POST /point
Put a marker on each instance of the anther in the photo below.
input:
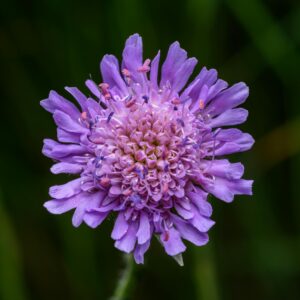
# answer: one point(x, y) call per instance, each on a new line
point(105, 181)
point(166, 167)
point(201, 103)
point(126, 73)
point(104, 90)
point(127, 192)
point(166, 236)
point(175, 101)
point(146, 98)
point(84, 115)
point(180, 121)
point(145, 67)
point(139, 173)
point(145, 171)
point(109, 117)
point(98, 161)
point(130, 101)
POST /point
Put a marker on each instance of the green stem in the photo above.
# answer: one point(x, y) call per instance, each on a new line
point(126, 277)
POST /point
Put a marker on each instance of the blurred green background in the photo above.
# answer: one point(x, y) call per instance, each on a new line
point(254, 251)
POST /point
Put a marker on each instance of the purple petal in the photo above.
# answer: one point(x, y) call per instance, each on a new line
point(134, 49)
point(48, 146)
point(154, 70)
point(108, 204)
point(127, 242)
point(78, 95)
point(190, 233)
point(175, 58)
point(143, 233)
point(66, 190)
point(226, 189)
point(133, 56)
point(67, 137)
point(57, 102)
point(183, 74)
point(139, 252)
point(64, 167)
point(59, 206)
point(111, 74)
point(235, 141)
point(57, 151)
point(93, 108)
point(60, 151)
point(216, 88)
point(230, 117)
point(205, 77)
point(115, 191)
point(185, 213)
point(173, 244)
point(230, 98)
point(94, 218)
point(120, 227)
point(199, 198)
point(87, 202)
point(203, 224)
point(65, 122)
point(92, 86)
point(223, 168)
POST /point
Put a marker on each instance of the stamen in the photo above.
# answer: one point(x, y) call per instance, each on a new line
point(127, 192)
point(146, 98)
point(139, 173)
point(145, 171)
point(145, 67)
point(105, 181)
point(175, 101)
point(201, 103)
point(126, 73)
point(184, 141)
point(109, 117)
point(104, 87)
point(91, 124)
point(129, 169)
point(166, 236)
point(180, 121)
point(130, 101)
point(98, 161)
point(166, 167)
point(127, 76)
point(84, 115)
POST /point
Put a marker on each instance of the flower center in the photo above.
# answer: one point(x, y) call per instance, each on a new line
point(144, 155)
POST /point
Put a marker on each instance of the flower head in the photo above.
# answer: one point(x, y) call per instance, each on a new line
point(148, 150)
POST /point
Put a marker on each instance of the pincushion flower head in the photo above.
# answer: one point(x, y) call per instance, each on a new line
point(147, 150)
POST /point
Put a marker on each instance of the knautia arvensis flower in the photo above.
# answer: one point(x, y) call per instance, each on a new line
point(148, 151)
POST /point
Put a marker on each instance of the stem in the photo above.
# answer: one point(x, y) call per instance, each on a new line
point(125, 279)
point(205, 274)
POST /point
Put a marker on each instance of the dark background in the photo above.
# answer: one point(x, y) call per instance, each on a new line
point(254, 251)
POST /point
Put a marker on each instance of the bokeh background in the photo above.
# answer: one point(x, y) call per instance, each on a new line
point(254, 251)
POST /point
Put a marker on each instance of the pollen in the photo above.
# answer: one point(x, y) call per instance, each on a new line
point(201, 104)
point(145, 67)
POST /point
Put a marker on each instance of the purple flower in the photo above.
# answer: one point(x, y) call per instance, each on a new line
point(148, 150)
